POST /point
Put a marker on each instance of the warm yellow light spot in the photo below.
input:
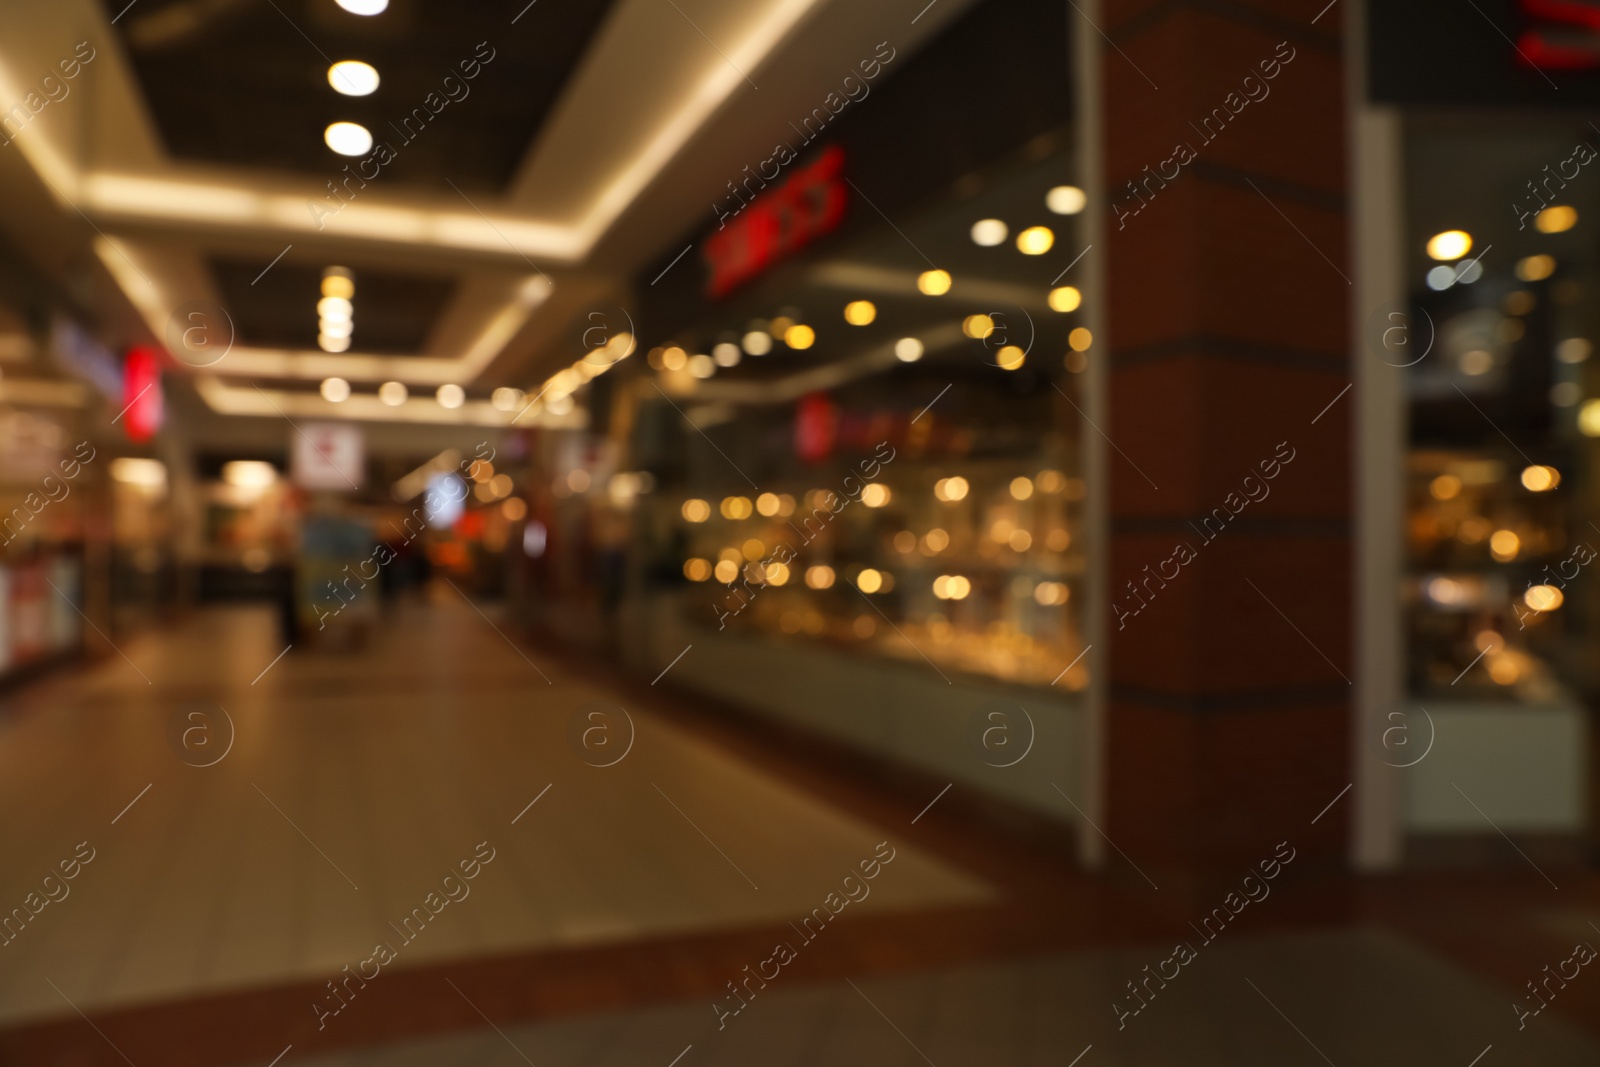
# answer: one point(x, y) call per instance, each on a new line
point(1503, 545)
point(875, 495)
point(934, 282)
point(1065, 200)
point(860, 312)
point(1035, 241)
point(1445, 487)
point(1557, 218)
point(754, 549)
point(801, 336)
point(935, 541)
point(1536, 268)
point(905, 541)
point(339, 286)
point(697, 570)
point(1589, 418)
point(1020, 540)
point(869, 581)
point(1010, 357)
point(1048, 593)
point(1058, 539)
point(951, 587)
point(1050, 481)
point(785, 504)
point(819, 576)
point(1080, 339)
point(696, 510)
point(736, 507)
point(727, 571)
point(1066, 298)
point(767, 504)
point(1022, 488)
point(1504, 670)
point(977, 326)
point(674, 358)
point(1451, 244)
point(1543, 598)
point(780, 325)
point(777, 574)
point(1538, 479)
point(950, 489)
point(515, 509)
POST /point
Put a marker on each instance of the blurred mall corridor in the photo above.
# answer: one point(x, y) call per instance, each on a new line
point(799, 532)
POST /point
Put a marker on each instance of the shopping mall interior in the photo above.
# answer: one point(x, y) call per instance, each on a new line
point(516, 516)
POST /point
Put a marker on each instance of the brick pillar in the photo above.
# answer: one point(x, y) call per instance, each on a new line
point(1227, 296)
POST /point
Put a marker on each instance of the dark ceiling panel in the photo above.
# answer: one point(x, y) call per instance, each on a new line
point(244, 82)
point(393, 312)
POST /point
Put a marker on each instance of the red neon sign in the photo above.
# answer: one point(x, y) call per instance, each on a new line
point(777, 223)
point(1573, 43)
point(141, 393)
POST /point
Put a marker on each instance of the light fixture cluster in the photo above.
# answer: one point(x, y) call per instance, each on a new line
point(352, 77)
point(758, 340)
point(335, 311)
point(555, 395)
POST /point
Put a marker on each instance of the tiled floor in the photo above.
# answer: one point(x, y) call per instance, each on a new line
point(622, 899)
point(356, 783)
point(1354, 999)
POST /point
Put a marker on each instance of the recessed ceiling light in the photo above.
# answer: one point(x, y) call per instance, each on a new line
point(860, 312)
point(1066, 298)
point(340, 285)
point(353, 77)
point(1065, 200)
point(348, 138)
point(726, 355)
point(1451, 244)
point(908, 349)
point(1035, 240)
point(506, 398)
point(364, 7)
point(332, 344)
point(334, 308)
point(989, 232)
point(336, 327)
point(756, 342)
point(335, 390)
point(392, 393)
point(934, 282)
point(450, 396)
point(1557, 218)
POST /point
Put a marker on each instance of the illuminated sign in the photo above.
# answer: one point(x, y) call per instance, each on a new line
point(141, 393)
point(777, 223)
point(1567, 38)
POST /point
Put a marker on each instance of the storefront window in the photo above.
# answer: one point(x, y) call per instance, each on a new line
point(879, 444)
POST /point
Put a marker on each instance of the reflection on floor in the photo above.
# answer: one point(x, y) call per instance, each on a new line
point(355, 785)
point(1358, 997)
point(210, 906)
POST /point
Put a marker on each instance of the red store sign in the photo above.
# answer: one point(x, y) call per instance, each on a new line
point(777, 223)
point(1565, 35)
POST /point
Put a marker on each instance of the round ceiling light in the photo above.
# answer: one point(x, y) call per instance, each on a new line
point(986, 233)
point(1065, 200)
point(353, 77)
point(392, 393)
point(335, 390)
point(348, 138)
point(364, 7)
point(450, 396)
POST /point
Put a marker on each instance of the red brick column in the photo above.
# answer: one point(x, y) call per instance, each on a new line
point(1227, 296)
